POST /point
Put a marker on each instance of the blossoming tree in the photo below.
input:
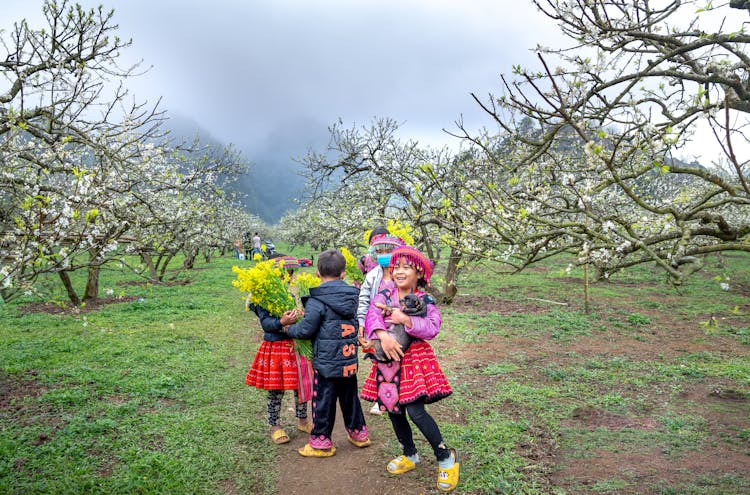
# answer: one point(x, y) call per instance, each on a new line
point(369, 173)
point(83, 173)
point(591, 150)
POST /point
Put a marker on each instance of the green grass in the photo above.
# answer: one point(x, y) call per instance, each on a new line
point(148, 395)
point(138, 397)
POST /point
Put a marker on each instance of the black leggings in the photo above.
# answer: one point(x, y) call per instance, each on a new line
point(426, 425)
point(273, 407)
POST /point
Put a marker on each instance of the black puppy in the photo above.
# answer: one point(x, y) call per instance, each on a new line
point(411, 305)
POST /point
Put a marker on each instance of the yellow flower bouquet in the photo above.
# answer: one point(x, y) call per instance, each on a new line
point(352, 270)
point(270, 286)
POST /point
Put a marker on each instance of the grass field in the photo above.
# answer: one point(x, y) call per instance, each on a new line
point(649, 393)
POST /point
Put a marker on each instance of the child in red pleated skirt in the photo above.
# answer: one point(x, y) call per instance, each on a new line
point(275, 369)
point(413, 377)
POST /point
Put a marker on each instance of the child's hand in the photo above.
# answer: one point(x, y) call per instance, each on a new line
point(366, 344)
point(398, 317)
point(391, 347)
point(289, 317)
point(384, 308)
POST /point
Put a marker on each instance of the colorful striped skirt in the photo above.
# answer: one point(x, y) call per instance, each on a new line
point(419, 377)
point(274, 366)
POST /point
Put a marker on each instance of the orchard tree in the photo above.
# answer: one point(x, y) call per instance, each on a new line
point(58, 126)
point(337, 217)
point(369, 172)
point(82, 172)
point(183, 207)
point(591, 150)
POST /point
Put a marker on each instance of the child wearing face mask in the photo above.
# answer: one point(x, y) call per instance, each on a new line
point(376, 280)
point(369, 261)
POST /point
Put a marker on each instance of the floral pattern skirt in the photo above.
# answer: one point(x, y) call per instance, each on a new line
point(418, 377)
point(274, 366)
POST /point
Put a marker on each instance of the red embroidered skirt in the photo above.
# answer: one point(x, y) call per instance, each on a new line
point(421, 377)
point(274, 366)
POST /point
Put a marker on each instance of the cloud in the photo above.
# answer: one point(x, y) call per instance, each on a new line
point(268, 75)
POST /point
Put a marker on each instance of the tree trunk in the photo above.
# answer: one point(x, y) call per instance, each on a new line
point(586, 288)
point(92, 283)
point(163, 270)
point(69, 288)
point(190, 258)
point(146, 258)
point(451, 273)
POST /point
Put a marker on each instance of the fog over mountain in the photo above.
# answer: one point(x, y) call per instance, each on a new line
point(273, 180)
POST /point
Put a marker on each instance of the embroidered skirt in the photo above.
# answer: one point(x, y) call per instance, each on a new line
point(419, 377)
point(274, 366)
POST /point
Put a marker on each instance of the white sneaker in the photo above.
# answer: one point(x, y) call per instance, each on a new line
point(376, 409)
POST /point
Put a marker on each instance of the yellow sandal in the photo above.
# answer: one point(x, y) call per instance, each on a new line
point(307, 427)
point(448, 477)
point(400, 465)
point(360, 443)
point(279, 436)
point(309, 451)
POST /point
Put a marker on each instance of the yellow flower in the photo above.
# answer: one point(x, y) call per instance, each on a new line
point(303, 282)
point(267, 285)
point(352, 270)
point(398, 229)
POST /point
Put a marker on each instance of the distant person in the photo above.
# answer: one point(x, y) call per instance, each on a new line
point(414, 378)
point(275, 369)
point(237, 245)
point(256, 245)
point(247, 241)
point(376, 280)
point(330, 319)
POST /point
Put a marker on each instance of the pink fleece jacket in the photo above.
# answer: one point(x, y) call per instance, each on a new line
point(423, 327)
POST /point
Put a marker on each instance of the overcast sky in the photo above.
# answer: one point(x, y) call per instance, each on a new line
point(270, 76)
point(256, 73)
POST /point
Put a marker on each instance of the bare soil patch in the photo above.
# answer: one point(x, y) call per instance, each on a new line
point(644, 472)
point(18, 405)
point(481, 305)
point(592, 418)
point(89, 307)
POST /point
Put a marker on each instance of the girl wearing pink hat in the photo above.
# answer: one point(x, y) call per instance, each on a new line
point(413, 378)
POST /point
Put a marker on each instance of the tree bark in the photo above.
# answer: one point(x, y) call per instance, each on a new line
point(451, 272)
point(190, 258)
point(92, 282)
point(146, 258)
point(65, 278)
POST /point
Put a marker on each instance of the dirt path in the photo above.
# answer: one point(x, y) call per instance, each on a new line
point(352, 470)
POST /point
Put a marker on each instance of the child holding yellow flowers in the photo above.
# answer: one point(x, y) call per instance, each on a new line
point(276, 366)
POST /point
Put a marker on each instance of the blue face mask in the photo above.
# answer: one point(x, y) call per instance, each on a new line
point(384, 260)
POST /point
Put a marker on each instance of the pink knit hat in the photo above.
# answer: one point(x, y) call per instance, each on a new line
point(390, 240)
point(414, 257)
point(287, 262)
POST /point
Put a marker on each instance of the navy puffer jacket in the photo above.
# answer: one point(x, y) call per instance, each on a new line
point(270, 324)
point(330, 321)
